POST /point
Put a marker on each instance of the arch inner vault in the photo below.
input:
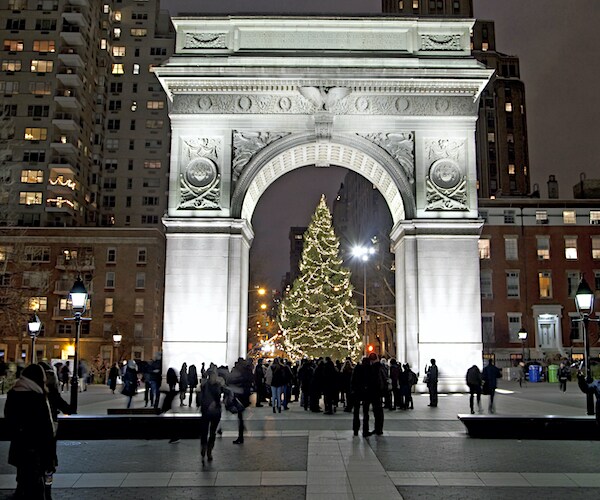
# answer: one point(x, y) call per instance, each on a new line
point(395, 100)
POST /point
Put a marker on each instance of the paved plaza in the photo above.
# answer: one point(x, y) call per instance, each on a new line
point(423, 454)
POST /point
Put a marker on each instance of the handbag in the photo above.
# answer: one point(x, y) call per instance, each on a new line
point(233, 404)
point(426, 379)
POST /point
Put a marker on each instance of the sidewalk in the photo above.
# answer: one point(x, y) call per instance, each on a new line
point(424, 453)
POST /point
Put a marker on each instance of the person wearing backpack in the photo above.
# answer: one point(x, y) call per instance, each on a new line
point(474, 382)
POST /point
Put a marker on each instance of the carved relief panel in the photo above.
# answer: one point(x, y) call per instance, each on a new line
point(200, 174)
point(446, 180)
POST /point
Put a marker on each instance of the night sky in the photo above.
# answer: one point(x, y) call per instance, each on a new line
point(557, 43)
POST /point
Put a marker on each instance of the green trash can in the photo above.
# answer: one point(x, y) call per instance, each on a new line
point(553, 373)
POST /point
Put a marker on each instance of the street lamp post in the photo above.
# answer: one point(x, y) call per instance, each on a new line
point(522, 333)
point(33, 326)
point(363, 254)
point(584, 300)
point(78, 296)
point(117, 337)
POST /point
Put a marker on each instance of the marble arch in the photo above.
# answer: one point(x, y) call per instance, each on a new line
point(394, 99)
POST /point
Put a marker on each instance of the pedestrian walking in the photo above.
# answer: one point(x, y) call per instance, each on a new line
point(521, 374)
point(130, 381)
point(278, 379)
point(32, 447)
point(64, 377)
point(239, 384)
point(474, 381)
point(192, 382)
point(155, 379)
point(413, 380)
point(183, 384)
point(564, 375)
point(259, 383)
point(491, 374)
point(210, 407)
point(431, 380)
point(113, 375)
point(359, 394)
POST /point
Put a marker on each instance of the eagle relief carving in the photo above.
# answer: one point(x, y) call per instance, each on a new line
point(324, 98)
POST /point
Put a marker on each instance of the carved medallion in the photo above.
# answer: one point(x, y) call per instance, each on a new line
point(445, 173)
point(201, 172)
point(362, 104)
point(204, 103)
point(244, 103)
point(285, 103)
point(402, 104)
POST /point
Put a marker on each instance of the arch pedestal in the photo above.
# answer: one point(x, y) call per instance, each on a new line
point(407, 124)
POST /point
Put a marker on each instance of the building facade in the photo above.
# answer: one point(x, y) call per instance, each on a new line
point(85, 143)
point(533, 254)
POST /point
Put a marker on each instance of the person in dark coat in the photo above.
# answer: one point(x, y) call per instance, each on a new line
point(239, 382)
point(130, 381)
point(211, 390)
point(113, 375)
point(396, 376)
point(590, 388)
point(259, 383)
point(359, 394)
point(32, 448)
point(183, 384)
point(491, 374)
point(407, 390)
point(432, 383)
point(564, 375)
point(376, 389)
point(57, 403)
point(305, 375)
point(346, 384)
point(155, 379)
point(474, 381)
point(278, 381)
point(172, 379)
point(192, 382)
point(330, 385)
point(316, 385)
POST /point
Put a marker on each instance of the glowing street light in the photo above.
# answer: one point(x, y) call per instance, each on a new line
point(522, 333)
point(33, 327)
point(363, 253)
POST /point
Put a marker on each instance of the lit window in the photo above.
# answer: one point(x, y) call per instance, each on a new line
point(133, 106)
point(138, 32)
point(155, 105)
point(103, 44)
point(595, 217)
point(36, 134)
point(152, 164)
point(512, 284)
point(108, 305)
point(32, 176)
point(118, 69)
point(30, 198)
point(569, 217)
point(117, 15)
point(37, 304)
point(118, 51)
point(541, 217)
point(415, 4)
point(136, 69)
point(508, 107)
point(154, 124)
point(44, 46)
point(485, 46)
point(400, 4)
point(596, 248)
point(545, 284)
point(11, 65)
point(39, 66)
point(491, 137)
point(571, 247)
point(510, 138)
point(13, 45)
point(40, 88)
point(573, 278)
point(106, 8)
point(116, 33)
point(543, 247)
point(139, 305)
point(511, 169)
point(484, 248)
point(511, 249)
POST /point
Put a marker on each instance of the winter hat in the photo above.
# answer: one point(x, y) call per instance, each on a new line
point(36, 374)
point(373, 357)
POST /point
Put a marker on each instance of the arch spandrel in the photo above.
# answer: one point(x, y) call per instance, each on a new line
point(348, 151)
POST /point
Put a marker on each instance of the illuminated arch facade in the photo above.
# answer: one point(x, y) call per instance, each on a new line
point(395, 100)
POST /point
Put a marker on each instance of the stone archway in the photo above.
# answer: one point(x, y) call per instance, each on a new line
point(248, 108)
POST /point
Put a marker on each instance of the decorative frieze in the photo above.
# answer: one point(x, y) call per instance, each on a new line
point(352, 104)
point(246, 145)
point(205, 41)
point(199, 176)
point(400, 146)
point(441, 42)
point(446, 181)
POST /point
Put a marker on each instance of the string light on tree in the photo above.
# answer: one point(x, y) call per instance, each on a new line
point(318, 316)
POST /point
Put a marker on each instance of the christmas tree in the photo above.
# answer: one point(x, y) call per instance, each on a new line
point(318, 316)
